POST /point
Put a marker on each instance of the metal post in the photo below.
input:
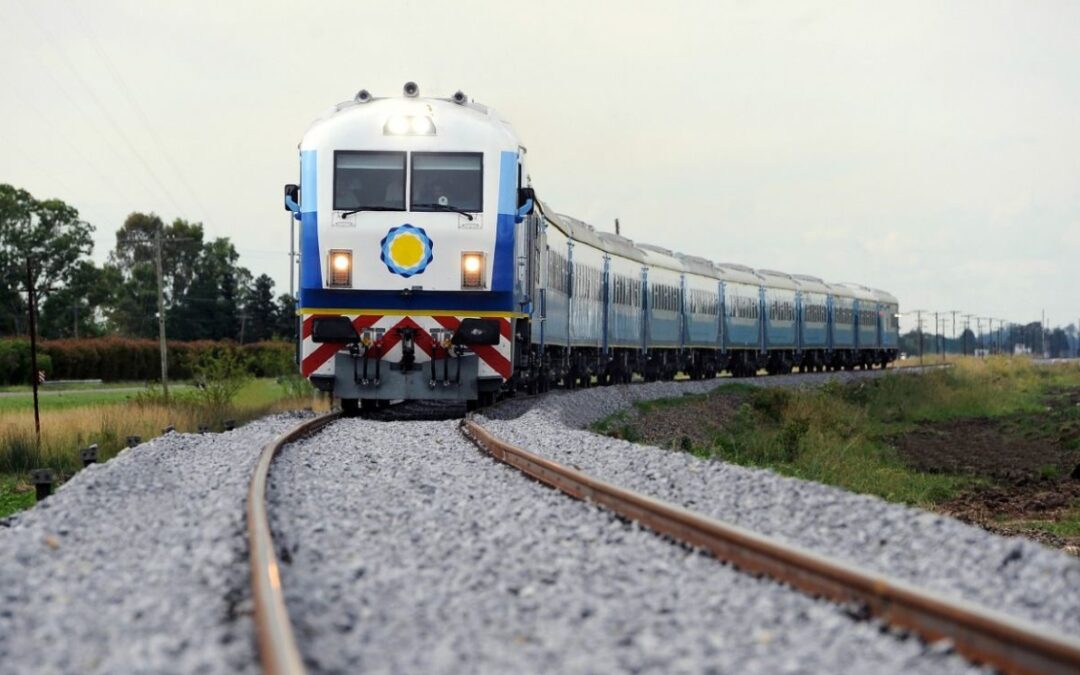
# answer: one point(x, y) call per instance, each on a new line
point(292, 255)
point(33, 347)
point(161, 318)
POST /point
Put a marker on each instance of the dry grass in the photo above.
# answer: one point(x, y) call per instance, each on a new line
point(64, 432)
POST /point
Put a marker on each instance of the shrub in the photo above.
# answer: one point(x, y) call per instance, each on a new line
point(15, 365)
point(220, 376)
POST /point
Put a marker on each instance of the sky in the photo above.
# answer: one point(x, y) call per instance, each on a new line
point(931, 149)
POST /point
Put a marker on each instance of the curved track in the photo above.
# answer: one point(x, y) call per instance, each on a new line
point(277, 645)
point(984, 636)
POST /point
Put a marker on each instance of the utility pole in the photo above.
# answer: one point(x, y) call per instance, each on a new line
point(954, 313)
point(616, 226)
point(161, 317)
point(918, 317)
point(33, 347)
point(967, 329)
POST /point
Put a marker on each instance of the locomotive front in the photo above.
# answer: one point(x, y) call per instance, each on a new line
point(411, 211)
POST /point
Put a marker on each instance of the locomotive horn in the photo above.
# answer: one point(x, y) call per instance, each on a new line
point(459, 97)
point(411, 90)
point(363, 96)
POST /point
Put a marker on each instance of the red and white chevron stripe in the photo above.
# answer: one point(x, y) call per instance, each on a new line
point(317, 358)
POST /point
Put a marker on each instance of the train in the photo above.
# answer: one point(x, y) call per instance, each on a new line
point(430, 269)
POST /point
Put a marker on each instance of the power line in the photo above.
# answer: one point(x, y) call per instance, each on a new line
point(134, 102)
point(105, 111)
point(55, 129)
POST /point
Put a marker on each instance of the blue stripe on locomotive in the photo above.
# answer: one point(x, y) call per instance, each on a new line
point(310, 262)
point(741, 333)
point(502, 275)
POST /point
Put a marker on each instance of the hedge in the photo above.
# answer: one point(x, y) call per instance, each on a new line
point(114, 359)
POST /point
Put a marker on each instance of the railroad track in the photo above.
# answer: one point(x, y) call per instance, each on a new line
point(982, 635)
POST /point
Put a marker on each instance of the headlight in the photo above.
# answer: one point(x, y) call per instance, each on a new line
point(340, 268)
point(409, 125)
point(472, 269)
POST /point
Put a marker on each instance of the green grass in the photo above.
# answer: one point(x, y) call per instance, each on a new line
point(256, 392)
point(1069, 526)
point(68, 386)
point(12, 500)
point(836, 434)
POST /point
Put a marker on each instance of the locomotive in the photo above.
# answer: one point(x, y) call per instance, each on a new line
point(429, 269)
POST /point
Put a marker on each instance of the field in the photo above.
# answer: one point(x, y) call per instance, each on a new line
point(108, 415)
point(991, 441)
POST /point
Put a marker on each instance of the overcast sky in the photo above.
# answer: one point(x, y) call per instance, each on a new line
point(928, 148)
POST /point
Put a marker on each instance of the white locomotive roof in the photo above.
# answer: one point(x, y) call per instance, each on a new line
point(360, 124)
point(774, 279)
point(809, 283)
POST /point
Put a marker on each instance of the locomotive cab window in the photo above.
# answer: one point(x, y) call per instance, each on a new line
point(447, 181)
point(369, 181)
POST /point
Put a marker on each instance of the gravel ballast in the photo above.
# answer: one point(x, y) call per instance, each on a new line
point(138, 564)
point(405, 549)
point(1013, 575)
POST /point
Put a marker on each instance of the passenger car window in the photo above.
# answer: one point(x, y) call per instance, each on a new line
point(373, 181)
point(447, 180)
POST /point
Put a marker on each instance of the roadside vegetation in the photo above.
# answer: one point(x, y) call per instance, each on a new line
point(221, 390)
point(994, 441)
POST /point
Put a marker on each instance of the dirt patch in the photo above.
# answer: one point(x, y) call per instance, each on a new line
point(1026, 509)
point(665, 425)
point(984, 447)
point(1033, 460)
point(1031, 445)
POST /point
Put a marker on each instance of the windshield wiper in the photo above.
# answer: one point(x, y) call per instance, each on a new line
point(369, 208)
point(444, 207)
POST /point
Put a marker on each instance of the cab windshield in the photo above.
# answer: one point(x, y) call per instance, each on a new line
point(369, 181)
point(444, 181)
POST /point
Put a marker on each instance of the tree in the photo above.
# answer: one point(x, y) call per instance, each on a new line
point(286, 317)
point(181, 246)
point(50, 234)
point(1058, 343)
point(76, 309)
point(210, 306)
point(261, 311)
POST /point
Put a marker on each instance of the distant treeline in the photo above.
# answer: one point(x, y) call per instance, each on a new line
point(115, 359)
point(208, 294)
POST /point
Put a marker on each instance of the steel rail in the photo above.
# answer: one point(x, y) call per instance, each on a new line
point(278, 652)
point(982, 635)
